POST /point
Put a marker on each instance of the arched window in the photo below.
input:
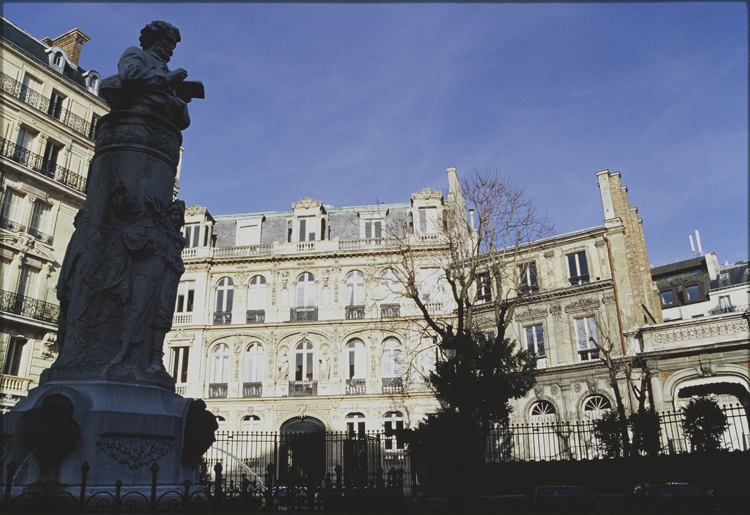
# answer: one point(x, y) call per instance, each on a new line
point(222, 423)
point(595, 407)
point(305, 290)
point(356, 360)
point(390, 287)
point(393, 420)
point(543, 412)
point(250, 423)
point(355, 289)
point(224, 294)
point(392, 358)
point(304, 355)
point(254, 363)
point(220, 363)
point(355, 424)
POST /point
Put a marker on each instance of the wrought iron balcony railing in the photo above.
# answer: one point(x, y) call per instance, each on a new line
point(355, 312)
point(579, 279)
point(38, 164)
point(27, 307)
point(222, 317)
point(6, 223)
point(356, 386)
point(39, 235)
point(252, 390)
point(256, 316)
point(307, 314)
point(393, 385)
point(42, 103)
point(217, 391)
point(390, 311)
point(303, 388)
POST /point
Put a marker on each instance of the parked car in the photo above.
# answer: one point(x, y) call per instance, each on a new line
point(558, 498)
point(677, 497)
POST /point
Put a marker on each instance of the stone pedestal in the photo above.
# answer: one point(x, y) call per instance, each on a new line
point(120, 430)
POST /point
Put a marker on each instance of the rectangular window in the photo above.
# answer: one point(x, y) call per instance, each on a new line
point(430, 284)
point(373, 229)
point(528, 278)
point(667, 298)
point(30, 89)
point(357, 428)
point(692, 293)
point(27, 281)
point(484, 288)
point(12, 203)
point(51, 153)
point(25, 139)
point(248, 235)
point(192, 235)
point(93, 127)
point(180, 364)
point(185, 297)
point(725, 304)
point(14, 356)
point(307, 229)
point(586, 336)
point(535, 340)
point(578, 269)
point(55, 105)
point(428, 221)
point(40, 217)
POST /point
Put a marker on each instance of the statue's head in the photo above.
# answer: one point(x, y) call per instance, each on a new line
point(160, 36)
point(177, 214)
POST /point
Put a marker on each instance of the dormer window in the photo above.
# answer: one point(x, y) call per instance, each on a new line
point(307, 228)
point(57, 58)
point(428, 220)
point(93, 80)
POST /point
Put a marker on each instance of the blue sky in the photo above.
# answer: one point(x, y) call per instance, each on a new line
point(356, 104)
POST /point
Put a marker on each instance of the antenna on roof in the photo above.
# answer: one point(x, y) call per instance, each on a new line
point(698, 241)
point(692, 245)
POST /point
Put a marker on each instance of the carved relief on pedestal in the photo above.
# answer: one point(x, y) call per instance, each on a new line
point(134, 450)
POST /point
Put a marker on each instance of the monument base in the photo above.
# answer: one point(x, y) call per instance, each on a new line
point(94, 433)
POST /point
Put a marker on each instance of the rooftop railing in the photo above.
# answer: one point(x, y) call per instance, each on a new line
point(42, 103)
point(38, 164)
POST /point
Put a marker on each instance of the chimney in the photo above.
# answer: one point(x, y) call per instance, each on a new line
point(71, 42)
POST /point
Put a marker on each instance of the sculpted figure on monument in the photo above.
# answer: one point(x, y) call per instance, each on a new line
point(143, 76)
point(119, 279)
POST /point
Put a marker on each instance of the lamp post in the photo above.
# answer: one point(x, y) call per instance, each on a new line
point(449, 344)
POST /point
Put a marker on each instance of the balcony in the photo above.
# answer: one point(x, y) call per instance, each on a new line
point(42, 103)
point(222, 317)
point(307, 314)
point(182, 319)
point(10, 225)
point(528, 289)
point(356, 386)
point(40, 236)
point(579, 279)
point(38, 164)
point(255, 316)
point(303, 388)
point(27, 307)
point(355, 312)
point(252, 390)
point(390, 311)
point(393, 385)
point(217, 391)
point(14, 384)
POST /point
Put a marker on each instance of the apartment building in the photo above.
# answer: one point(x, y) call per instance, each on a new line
point(50, 108)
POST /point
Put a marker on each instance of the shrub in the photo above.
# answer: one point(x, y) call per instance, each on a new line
point(609, 435)
point(704, 422)
point(646, 432)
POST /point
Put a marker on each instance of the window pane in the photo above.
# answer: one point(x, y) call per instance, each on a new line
point(693, 293)
point(667, 298)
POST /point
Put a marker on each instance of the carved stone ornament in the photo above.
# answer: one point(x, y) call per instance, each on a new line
point(582, 304)
point(554, 390)
point(427, 193)
point(135, 451)
point(538, 391)
point(577, 387)
point(526, 315)
point(307, 203)
point(591, 384)
point(194, 210)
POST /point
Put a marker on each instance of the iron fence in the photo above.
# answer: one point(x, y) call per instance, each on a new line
point(315, 462)
point(560, 440)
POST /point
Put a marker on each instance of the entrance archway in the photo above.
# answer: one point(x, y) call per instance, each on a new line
point(302, 451)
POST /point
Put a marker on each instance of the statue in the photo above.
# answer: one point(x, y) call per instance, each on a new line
point(284, 367)
point(119, 279)
point(143, 76)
